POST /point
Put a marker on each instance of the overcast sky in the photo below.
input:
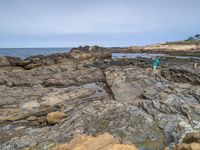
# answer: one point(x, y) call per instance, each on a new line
point(66, 23)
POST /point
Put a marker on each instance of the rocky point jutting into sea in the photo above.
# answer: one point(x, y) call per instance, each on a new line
point(50, 100)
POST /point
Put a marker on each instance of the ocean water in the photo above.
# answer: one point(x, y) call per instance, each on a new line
point(136, 55)
point(26, 52)
point(149, 56)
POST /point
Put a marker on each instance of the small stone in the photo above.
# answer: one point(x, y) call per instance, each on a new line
point(55, 117)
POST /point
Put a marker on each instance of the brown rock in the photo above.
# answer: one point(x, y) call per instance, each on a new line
point(101, 142)
point(195, 146)
point(192, 137)
point(184, 146)
point(55, 117)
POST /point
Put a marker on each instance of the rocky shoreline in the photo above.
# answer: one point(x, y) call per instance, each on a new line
point(48, 100)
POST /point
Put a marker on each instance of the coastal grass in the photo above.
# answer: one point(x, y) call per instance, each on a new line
point(186, 42)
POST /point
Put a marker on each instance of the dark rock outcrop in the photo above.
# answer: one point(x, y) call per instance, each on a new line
point(90, 53)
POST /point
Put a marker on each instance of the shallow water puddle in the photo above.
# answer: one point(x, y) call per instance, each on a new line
point(146, 55)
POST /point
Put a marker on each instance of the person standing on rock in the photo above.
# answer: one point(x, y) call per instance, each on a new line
point(156, 62)
point(195, 65)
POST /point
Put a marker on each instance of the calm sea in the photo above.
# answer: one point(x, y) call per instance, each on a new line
point(26, 52)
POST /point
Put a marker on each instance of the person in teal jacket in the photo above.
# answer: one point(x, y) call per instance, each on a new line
point(156, 62)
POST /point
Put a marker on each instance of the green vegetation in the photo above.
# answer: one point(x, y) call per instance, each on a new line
point(186, 42)
point(122, 135)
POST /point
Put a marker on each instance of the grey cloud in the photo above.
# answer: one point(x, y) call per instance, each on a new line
point(49, 19)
